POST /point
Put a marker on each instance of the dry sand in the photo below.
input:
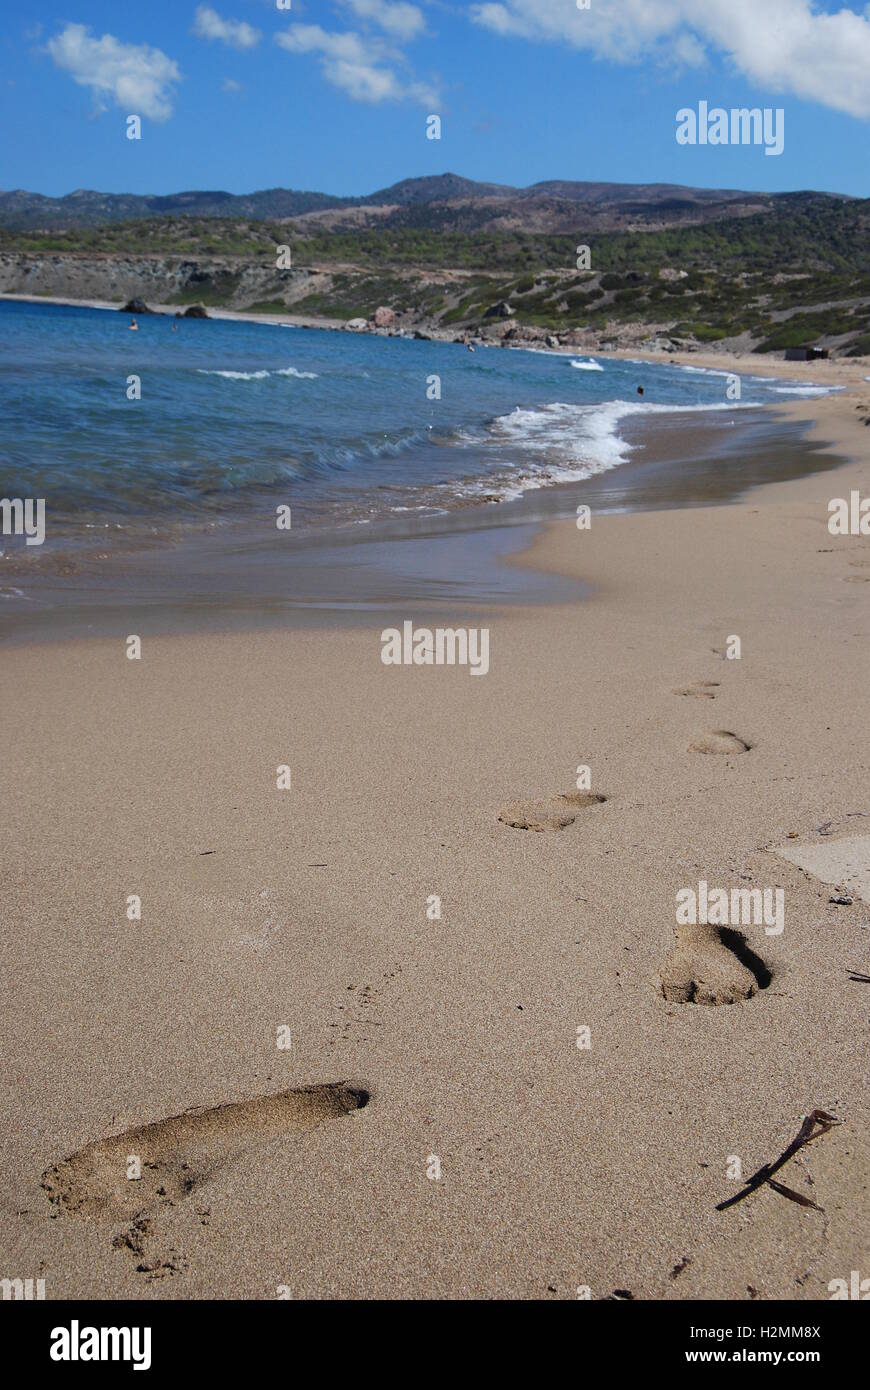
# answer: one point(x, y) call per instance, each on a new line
point(561, 1166)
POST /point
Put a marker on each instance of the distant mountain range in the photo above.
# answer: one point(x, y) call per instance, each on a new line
point(438, 201)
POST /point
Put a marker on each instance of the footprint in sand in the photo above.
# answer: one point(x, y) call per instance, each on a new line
point(552, 813)
point(719, 741)
point(712, 965)
point(180, 1153)
point(700, 690)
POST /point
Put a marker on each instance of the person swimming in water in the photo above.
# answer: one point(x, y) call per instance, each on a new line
point(134, 327)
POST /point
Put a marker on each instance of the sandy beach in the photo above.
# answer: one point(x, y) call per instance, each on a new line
point(293, 1043)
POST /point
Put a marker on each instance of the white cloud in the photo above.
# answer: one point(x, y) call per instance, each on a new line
point(208, 24)
point(137, 78)
point(786, 46)
point(231, 85)
point(402, 21)
point(687, 51)
point(357, 64)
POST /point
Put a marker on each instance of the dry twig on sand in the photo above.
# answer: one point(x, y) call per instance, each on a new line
point(805, 1135)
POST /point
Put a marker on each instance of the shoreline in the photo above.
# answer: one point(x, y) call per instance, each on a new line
point(763, 363)
point(208, 555)
point(177, 311)
point(467, 559)
point(635, 484)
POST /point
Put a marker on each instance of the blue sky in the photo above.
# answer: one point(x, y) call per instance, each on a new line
point(241, 95)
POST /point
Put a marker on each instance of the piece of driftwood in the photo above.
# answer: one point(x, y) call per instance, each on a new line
point(817, 1123)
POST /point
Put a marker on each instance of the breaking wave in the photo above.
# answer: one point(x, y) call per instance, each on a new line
point(258, 376)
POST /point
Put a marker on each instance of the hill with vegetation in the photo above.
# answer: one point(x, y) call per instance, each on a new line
point(790, 270)
point(421, 199)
